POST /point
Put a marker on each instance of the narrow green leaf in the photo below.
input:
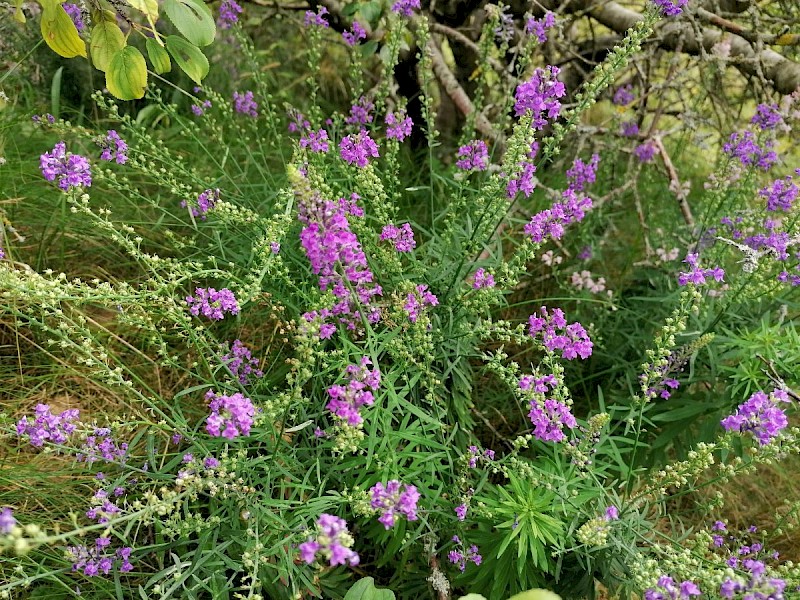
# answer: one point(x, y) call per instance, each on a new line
point(107, 39)
point(55, 93)
point(189, 57)
point(59, 31)
point(193, 19)
point(158, 56)
point(126, 76)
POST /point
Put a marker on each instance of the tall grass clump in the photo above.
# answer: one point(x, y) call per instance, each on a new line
point(255, 345)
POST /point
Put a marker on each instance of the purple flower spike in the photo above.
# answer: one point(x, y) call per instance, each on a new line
point(473, 156)
point(392, 499)
point(70, 170)
point(760, 415)
point(231, 416)
point(357, 148)
point(332, 542)
point(212, 303)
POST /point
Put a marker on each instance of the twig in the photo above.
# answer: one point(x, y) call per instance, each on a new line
point(675, 183)
point(457, 94)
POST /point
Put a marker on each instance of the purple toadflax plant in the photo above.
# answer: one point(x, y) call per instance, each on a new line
point(47, 427)
point(231, 416)
point(357, 149)
point(332, 542)
point(212, 303)
point(392, 499)
point(345, 401)
point(760, 415)
point(69, 170)
point(114, 148)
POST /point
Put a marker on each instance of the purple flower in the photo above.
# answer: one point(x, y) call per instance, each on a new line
point(645, 152)
point(781, 194)
point(474, 156)
point(241, 363)
point(316, 19)
point(553, 221)
point(623, 95)
point(768, 116)
point(670, 8)
point(95, 559)
point(297, 121)
point(332, 542)
point(76, 14)
point(114, 148)
point(392, 499)
point(336, 256)
point(357, 148)
point(483, 279)
point(200, 110)
point(461, 512)
point(229, 12)
point(611, 514)
point(504, 32)
point(212, 303)
point(629, 129)
point(316, 141)
point(405, 8)
point(71, 170)
point(697, 275)
point(744, 147)
point(244, 104)
point(571, 340)
point(101, 445)
point(667, 590)
point(205, 202)
point(539, 95)
point(417, 300)
point(402, 237)
point(210, 463)
point(461, 556)
point(355, 35)
point(345, 401)
point(582, 174)
point(45, 426)
point(231, 416)
point(539, 27)
point(399, 125)
point(549, 418)
point(7, 520)
point(360, 112)
point(759, 415)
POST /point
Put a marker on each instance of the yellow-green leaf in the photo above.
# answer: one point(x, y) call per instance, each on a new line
point(158, 56)
point(536, 595)
point(193, 19)
point(126, 76)
point(148, 7)
point(189, 57)
point(107, 39)
point(19, 16)
point(59, 31)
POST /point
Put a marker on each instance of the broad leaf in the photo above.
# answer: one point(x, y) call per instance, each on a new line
point(59, 31)
point(364, 589)
point(107, 40)
point(148, 7)
point(193, 19)
point(189, 57)
point(536, 595)
point(126, 76)
point(158, 56)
